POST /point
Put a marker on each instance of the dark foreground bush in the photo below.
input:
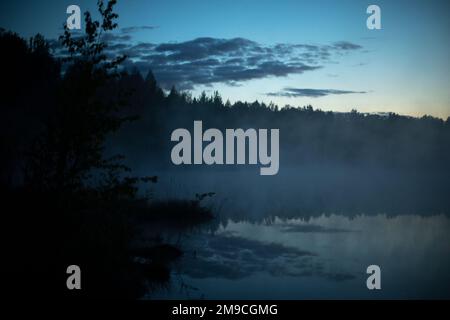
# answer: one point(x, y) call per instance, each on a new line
point(49, 231)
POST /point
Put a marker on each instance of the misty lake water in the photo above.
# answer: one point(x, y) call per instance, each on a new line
point(264, 245)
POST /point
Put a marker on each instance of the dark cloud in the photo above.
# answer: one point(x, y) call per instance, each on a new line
point(209, 60)
point(117, 46)
point(137, 28)
point(345, 45)
point(206, 47)
point(311, 93)
point(116, 37)
point(144, 46)
point(206, 60)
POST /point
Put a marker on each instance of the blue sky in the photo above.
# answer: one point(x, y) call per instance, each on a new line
point(402, 68)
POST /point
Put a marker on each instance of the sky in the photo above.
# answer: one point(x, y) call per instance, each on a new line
point(288, 52)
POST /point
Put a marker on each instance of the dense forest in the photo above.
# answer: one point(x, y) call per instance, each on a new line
point(307, 135)
point(75, 127)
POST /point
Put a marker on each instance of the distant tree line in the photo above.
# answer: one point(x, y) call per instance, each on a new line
point(307, 135)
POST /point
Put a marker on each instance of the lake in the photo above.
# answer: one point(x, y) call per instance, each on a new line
point(267, 243)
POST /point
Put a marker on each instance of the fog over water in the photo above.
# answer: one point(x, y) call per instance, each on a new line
point(311, 233)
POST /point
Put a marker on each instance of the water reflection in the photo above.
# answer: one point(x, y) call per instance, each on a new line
point(311, 232)
point(318, 257)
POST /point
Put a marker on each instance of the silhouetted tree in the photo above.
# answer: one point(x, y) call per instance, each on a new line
point(29, 79)
point(71, 148)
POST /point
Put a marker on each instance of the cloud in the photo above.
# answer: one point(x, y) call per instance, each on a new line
point(207, 47)
point(137, 28)
point(116, 37)
point(311, 93)
point(345, 45)
point(206, 60)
